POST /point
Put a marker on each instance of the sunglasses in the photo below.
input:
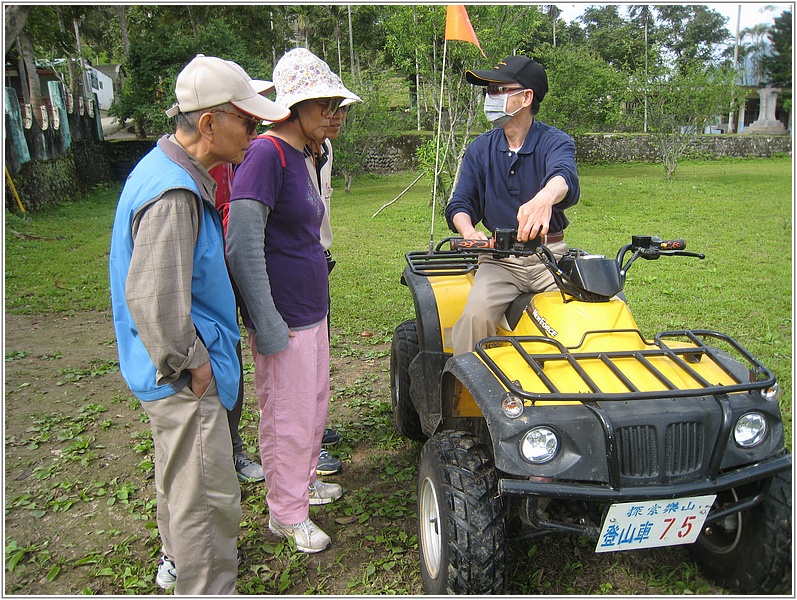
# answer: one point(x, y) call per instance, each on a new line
point(330, 106)
point(498, 90)
point(251, 122)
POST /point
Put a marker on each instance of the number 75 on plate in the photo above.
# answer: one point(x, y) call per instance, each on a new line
point(653, 523)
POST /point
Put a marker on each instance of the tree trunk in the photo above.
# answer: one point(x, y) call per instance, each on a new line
point(351, 43)
point(15, 19)
point(340, 56)
point(83, 85)
point(121, 9)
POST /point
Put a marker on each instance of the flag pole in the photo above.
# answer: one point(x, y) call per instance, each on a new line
point(437, 148)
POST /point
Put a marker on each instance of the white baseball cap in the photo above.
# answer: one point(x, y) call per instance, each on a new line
point(261, 86)
point(208, 81)
point(301, 75)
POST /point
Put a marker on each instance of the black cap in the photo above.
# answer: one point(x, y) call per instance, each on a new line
point(521, 69)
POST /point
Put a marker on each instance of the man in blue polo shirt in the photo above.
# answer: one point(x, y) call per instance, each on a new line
point(520, 175)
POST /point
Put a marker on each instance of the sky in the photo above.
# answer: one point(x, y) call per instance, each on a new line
point(752, 12)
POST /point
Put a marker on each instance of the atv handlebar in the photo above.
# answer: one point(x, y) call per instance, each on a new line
point(568, 276)
point(503, 243)
point(651, 248)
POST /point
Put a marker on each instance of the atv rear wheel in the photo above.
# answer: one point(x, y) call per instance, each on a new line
point(460, 517)
point(402, 351)
point(750, 552)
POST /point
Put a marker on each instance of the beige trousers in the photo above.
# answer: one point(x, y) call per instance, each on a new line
point(496, 284)
point(199, 499)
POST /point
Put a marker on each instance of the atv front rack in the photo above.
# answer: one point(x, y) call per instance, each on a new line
point(680, 359)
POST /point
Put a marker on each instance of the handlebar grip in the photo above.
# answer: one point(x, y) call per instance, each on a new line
point(672, 245)
point(461, 244)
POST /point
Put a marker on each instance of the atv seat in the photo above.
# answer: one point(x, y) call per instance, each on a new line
point(515, 310)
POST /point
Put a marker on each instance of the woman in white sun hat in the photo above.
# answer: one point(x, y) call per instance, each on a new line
point(277, 261)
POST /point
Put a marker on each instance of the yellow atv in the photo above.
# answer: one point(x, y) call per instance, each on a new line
point(570, 420)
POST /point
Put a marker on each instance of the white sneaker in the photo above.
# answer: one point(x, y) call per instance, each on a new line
point(324, 493)
point(308, 537)
point(167, 573)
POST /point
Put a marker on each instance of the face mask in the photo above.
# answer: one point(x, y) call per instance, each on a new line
point(495, 109)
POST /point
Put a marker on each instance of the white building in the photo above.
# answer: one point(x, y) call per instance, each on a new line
point(102, 85)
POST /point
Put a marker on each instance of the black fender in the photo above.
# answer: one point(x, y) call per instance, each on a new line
point(583, 441)
point(426, 318)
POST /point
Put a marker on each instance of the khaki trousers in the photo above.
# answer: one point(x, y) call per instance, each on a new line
point(496, 284)
point(199, 499)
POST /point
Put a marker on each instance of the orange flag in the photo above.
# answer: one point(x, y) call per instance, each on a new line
point(458, 26)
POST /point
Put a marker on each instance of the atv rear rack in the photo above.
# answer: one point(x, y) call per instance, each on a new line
point(679, 359)
point(442, 262)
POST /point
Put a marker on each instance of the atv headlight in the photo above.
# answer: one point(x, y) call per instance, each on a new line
point(750, 430)
point(539, 445)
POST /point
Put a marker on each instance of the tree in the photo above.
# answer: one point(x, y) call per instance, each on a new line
point(757, 49)
point(612, 38)
point(683, 104)
point(552, 12)
point(579, 104)
point(692, 34)
point(778, 66)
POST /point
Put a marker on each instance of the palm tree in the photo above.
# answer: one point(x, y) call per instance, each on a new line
point(553, 12)
point(757, 49)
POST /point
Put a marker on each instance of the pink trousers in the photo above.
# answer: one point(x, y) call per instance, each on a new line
point(293, 393)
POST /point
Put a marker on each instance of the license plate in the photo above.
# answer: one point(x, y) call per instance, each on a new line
point(653, 523)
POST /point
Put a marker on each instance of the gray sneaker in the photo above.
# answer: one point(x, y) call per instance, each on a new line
point(308, 537)
point(330, 437)
point(166, 576)
point(324, 493)
point(248, 470)
point(167, 572)
point(328, 464)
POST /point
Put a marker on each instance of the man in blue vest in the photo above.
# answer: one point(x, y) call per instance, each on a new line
point(175, 320)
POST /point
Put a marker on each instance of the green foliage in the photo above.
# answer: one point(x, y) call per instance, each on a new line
point(152, 70)
point(778, 65)
point(691, 33)
point(614, 40)
point(579, 104)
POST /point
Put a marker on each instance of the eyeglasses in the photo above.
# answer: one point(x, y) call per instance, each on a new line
point(498, 90)
point(251, 122)
point(330, 106)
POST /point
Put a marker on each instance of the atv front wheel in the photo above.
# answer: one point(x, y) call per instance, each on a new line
point(460, 517)
point(750, 552)
point(402, 351)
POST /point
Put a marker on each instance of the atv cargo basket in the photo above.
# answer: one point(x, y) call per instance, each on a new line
point(550, 371)
point(442, 262)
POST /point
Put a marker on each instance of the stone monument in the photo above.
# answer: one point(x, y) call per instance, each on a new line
point(766, 122)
